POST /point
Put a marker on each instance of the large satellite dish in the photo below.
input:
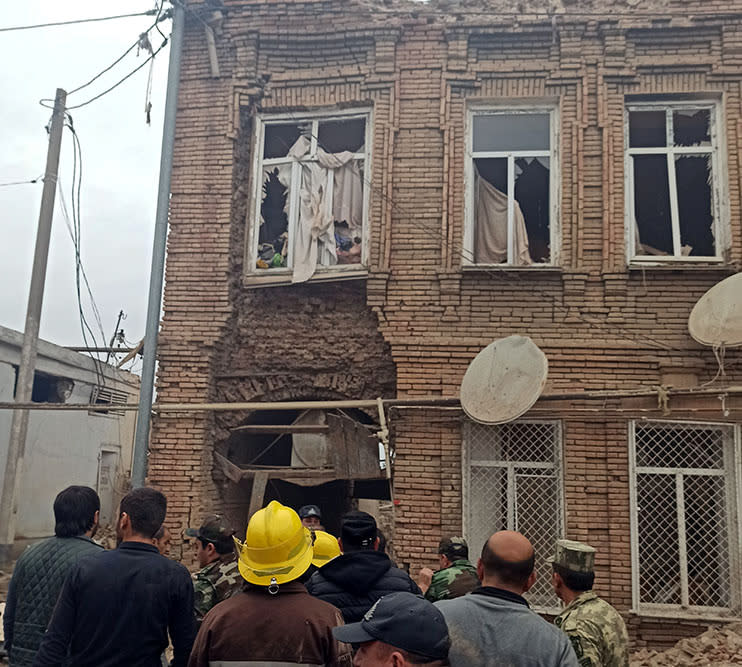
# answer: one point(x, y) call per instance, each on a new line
point(504, 380)
point(716, 319)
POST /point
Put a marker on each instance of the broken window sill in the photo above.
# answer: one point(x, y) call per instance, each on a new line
point(283, 277)
point(685, 264)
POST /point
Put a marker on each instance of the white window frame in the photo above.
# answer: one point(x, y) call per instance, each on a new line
point(557, 466)
point(554, 169)
point(283, 274)
point(720, 227)
point(732, 474)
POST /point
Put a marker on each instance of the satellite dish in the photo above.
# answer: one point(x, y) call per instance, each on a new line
point(504, 380)
point(716, 319)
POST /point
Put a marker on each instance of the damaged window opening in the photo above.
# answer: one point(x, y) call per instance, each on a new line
point(673, 211)
point(511, 199)
point(311, 197)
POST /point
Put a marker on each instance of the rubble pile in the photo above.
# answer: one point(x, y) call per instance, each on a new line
point(717, 646)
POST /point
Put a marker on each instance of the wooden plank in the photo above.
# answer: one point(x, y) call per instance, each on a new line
point(258, 492)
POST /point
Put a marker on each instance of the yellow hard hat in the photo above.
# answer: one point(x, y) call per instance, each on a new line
point(277, 547)
point(326, 548)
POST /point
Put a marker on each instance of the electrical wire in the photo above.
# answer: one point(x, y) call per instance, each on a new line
point(33, 180)
point(149, 12)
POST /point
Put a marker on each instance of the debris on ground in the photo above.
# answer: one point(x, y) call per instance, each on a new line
point(719, 647)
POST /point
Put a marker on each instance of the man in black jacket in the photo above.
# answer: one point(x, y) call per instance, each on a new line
point(116, 607)
point(354, 581)
point(41, 570)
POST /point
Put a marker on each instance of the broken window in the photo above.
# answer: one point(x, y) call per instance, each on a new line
point(511, 200)
point(310, 199)
point(683, 505)
point(672, 178)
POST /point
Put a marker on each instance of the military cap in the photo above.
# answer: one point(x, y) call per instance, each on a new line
point(309, 510)
point(574, 556)
point(214, 529)
point(454, 547)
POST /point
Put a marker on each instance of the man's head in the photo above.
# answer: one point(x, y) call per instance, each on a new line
point(358, 532)
point(451, 549)
point(141, 514)
point(311, 517)
point(573, 569)
point(76, 512)
point(507, 562)
point(213, 539)
point(162, 540)
point(400, 629)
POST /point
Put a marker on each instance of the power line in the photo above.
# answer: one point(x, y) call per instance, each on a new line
point(149, 12)
point(33, 180)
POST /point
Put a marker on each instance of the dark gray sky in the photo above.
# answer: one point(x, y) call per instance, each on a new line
point(121, 156)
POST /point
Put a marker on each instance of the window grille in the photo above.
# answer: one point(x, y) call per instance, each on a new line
point(684, 518)
point(513, 481)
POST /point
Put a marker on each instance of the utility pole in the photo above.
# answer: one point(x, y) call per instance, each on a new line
point(24, 384)
point(115, 334)
point(154, 303)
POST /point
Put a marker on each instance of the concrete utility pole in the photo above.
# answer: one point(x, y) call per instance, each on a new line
point(24, 384)
point(154, 304)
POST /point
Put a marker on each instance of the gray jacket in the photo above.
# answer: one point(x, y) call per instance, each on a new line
point(495, 627)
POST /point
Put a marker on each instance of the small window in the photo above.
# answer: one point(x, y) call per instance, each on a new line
point(310, 196)
point(684, 517)
point(673, 212)
point(513, 481)
point(511, 205)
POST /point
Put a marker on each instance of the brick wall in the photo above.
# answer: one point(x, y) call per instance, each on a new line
point(412, 326)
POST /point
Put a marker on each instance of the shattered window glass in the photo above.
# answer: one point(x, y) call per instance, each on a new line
point(311, 199)
point(673, 210)
point(512, 189)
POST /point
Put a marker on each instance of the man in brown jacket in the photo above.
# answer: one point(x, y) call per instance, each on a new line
point(273, 620)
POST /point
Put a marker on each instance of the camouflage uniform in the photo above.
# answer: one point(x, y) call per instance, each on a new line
point(221, 578)
point(458, 579)
point(596, 630)
point(216, 582)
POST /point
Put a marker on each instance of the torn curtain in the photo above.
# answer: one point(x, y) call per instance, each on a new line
point(491, 229)
point(315, 233)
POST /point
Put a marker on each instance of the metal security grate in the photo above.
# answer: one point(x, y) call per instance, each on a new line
point(513, 481)
point(684, 517)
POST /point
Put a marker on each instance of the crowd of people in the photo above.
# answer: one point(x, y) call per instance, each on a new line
point(291, 593)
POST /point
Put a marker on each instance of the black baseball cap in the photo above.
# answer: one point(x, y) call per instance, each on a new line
point(358, 528)
point(309, 510)
point(403, 620)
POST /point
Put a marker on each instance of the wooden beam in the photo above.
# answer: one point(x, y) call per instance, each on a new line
point(282, 428)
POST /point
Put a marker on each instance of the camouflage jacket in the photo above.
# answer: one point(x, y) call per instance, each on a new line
point(216, 582)
point(458, 579)
point(596, 630)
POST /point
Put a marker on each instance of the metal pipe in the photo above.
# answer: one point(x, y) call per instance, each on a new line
point(29, 349)
point(159, 244)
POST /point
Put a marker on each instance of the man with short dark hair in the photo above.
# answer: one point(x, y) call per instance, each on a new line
point(117, 607)
point(456, 576)
point(362, 574)
point(400, 629)
point(494, 624)
point(219, 578)
point(596, 630)
point(40, 572)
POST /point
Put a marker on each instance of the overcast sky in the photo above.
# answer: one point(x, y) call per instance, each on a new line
point(121, 156)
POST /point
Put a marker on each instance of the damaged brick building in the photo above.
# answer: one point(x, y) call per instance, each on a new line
point(366, 193)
